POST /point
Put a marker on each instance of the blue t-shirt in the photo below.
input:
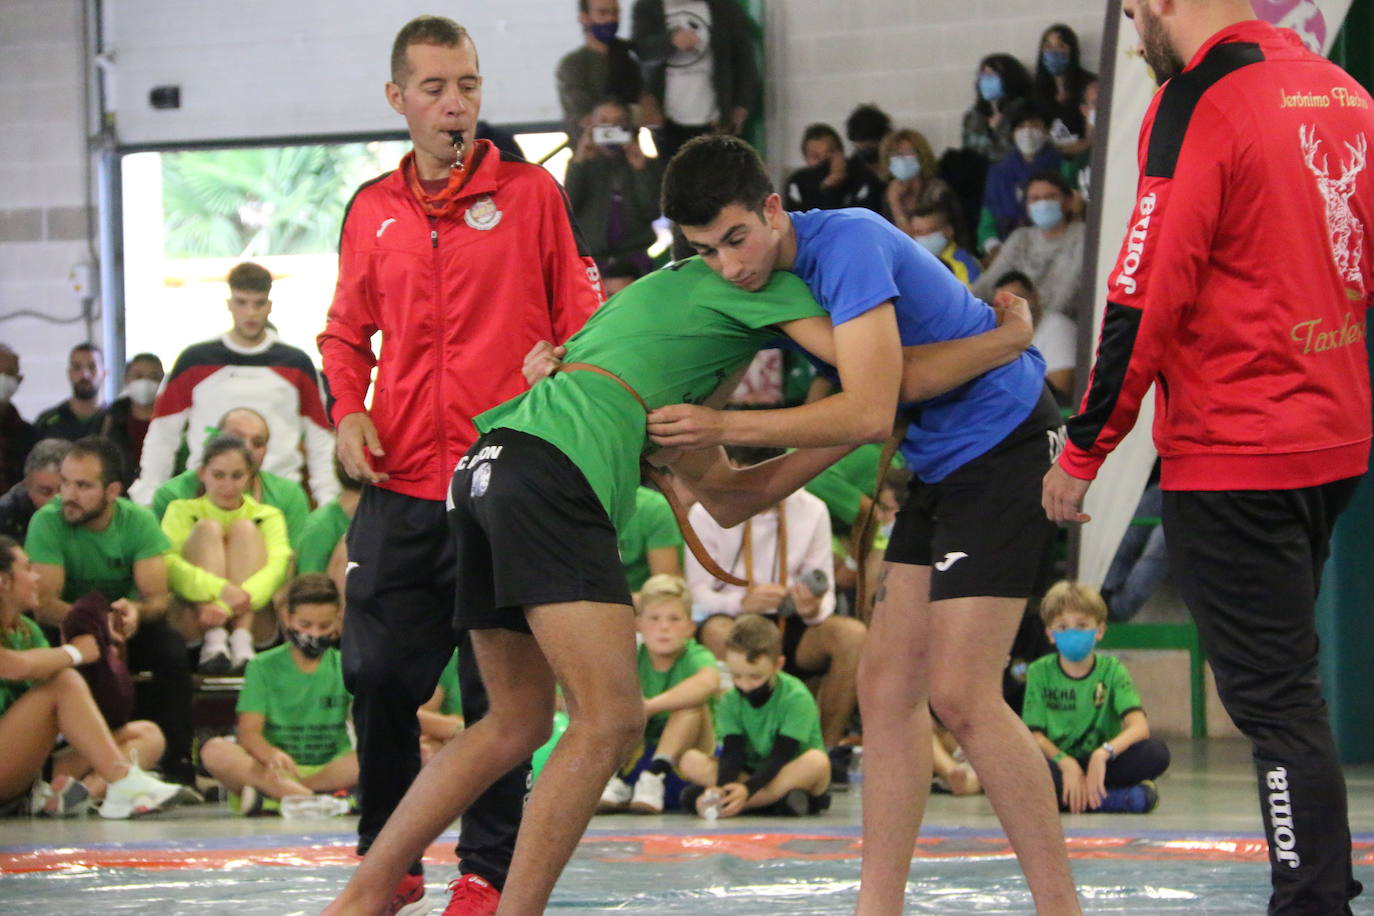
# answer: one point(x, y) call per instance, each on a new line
point(853, 261)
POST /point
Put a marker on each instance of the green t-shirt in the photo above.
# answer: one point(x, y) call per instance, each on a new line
point(652, 682)
point(651, 527)
point(452, 703)
point(1078, 714)
point(673, 337)
point(307, 714)
point(841, 485)
point(791, 712)
point(96, 561)
point(25, 636)
point(277, 491)
point(319, 536)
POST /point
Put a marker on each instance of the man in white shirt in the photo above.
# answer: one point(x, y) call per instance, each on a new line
point(247, 367)
point(782, 570)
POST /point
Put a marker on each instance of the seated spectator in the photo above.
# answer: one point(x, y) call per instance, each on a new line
point(292, 732)
point(83, 413)
point(845, 488)
point(1049, 251)
point(785, 554)
point(605, 67)
point(1084, 712)
point(618, 273)
point(650, 542)
point(699, 66)
point(42, 697)
point(1141, 561)
point(679, 679)
point(613, 188)
point(932, 226)
point(229, 554)
point(126, 421)
point(323, 546)
point(772, 759)
point(866, 127)
point(245, 367)
point(42, 480)
point(1004, 207)
point(907, 163)
point(1060, 81)
point(1077, 167)
point(1056, 336)
point(16, 434)
point(248, 426)
point(91, 540)
point(827, 182)
point(441, 717)
point(1000, 86)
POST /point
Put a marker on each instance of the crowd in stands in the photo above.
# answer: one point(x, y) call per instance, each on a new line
point(172, 530)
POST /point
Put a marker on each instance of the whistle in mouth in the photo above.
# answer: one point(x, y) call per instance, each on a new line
point(457, 137)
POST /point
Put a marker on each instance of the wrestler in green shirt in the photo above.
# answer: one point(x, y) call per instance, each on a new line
point(674, 337)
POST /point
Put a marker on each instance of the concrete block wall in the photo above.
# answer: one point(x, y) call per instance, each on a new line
point(915, 59)
point(43, 207)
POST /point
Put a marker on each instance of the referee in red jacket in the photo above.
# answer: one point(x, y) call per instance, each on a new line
point(1240, 293)
point(463, 262)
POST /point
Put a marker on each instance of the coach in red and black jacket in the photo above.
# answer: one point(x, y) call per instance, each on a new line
point(462, 263)
point(1240, 294)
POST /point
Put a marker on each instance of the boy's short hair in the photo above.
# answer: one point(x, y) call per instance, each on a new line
point(311, 588)
point(929, 210)
point(251, 278)
point(1014, 276)
point(867, 124)
point(820, 131)
point(1052, 177)
point(708, 174)
point(1065, 596)
point(754, 637)
point(666, 587)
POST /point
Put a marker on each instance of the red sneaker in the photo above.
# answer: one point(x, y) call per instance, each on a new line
point(409, 898)
point(472, 896)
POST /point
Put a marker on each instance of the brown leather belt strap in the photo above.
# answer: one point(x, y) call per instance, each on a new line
point(663, 481)
point(862, 535)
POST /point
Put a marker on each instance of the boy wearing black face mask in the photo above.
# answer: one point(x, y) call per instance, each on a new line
point(292, 734)
point(1085, 713)
point(772, 758)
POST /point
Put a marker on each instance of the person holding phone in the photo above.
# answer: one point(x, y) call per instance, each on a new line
point(613, 187)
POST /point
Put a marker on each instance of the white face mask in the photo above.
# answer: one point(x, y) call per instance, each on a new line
point(9, 384)
point(904, 168)
point(1029, 140)
point(1092, 117)
point(142, 392)
point(933, 242)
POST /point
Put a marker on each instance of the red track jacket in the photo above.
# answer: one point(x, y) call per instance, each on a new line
point(1242, 284)
point(459, 301)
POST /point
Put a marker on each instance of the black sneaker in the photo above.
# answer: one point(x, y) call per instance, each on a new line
point(687, 800)
point(841, 757)
point(818, 803)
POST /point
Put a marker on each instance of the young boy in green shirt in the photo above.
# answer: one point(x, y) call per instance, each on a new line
point(1085, 713)
point(293, 710)
point(772, 759)
point(679, 679)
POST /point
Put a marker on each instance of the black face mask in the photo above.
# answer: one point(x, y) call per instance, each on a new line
point(310, 646)
point(759, 695)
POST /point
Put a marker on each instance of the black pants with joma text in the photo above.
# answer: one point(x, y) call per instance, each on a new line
point(398, 636)
point(1248, 563)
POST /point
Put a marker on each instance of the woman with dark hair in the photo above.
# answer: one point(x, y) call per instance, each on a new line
point(1049, 250)
point(1060, 81)
point(1001, 84)
point(42, 696)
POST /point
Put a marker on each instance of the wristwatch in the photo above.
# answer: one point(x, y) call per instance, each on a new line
point(1111, 751)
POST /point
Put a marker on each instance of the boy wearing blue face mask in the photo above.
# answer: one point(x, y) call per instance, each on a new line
point(1085, 713)
point(292, 734)
point(772, 759)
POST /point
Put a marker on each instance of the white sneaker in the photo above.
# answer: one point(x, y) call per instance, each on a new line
point(68, 798)
point(615, 796)
point(39, 793)
point(138, 793)
point(241, 650)
point(214, 653)
point(648, 796)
